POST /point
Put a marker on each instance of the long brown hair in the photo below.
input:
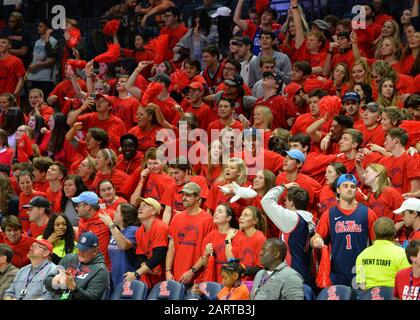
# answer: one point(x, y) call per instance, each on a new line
point(5, 194)
point(258, 215)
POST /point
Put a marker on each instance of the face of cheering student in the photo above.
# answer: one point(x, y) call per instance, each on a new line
point(358, 73)
point(370, 177)
point(330, 175)
point(70, 188)
point(387, 89)
point(220, 216)
point(13, 234)
point(60, 226)
point(25, 184)
point(347, 191)
point(107, 192)
point(232, 171)
point(247, 219)
point(101, 161)
point(259, 182)
point(154, 165)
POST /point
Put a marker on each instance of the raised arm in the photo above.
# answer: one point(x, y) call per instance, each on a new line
point(130, 85)
point(355, 46)
point(313, 130)
point(300, 35)
point(237, 16)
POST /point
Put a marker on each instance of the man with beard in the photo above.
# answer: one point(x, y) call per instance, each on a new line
point(349, 226)
point(186, 234)
point(130, 158)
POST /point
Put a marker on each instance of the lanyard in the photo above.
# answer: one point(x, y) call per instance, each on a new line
point(29, 280)
point(411, 285)
point(264, 280)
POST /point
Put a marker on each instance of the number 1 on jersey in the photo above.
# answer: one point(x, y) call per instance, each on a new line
point(348, 242)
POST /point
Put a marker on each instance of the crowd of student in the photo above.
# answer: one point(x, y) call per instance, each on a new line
point(175, 157)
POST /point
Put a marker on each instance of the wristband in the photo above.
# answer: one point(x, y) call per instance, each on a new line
point(168, 270)
point(228, 241)
point(137, 275)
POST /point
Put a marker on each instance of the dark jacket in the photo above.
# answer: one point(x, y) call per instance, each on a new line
point(92, 279)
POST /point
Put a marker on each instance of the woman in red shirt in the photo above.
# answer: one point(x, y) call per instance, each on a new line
point(6, 153)
point(108, 196)
point(41, 136)
point(87, 171)
point(387, 95)
point(214, 243)
point(214, 166)
point(249, 240)
point(410, 54)
point(234, 171)
point(340, 77)
point(263, 119)
point(106, 161)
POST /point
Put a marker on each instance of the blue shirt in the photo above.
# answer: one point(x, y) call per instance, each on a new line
point(118, 257)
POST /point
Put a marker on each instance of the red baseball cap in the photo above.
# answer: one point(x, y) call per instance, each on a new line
point(291, 89)
point(45, 243)
point(196, 85)
point(105, 96)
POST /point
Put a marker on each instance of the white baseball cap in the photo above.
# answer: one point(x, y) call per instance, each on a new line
point(222, 11)
point(412, 204)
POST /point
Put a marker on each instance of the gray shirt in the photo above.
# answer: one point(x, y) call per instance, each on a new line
point(31, 280)
point(70, 212)
point(40, 55)
point(283, 283)
point(7, 277)
point(283, 68)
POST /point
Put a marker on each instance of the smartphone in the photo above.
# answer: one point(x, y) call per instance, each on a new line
point(102, 206)
point(92, 95)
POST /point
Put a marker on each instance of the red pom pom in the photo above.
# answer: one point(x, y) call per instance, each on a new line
point(331, 105)
point(179, 80)
point(152, 90)
point(77, 64)
point(260, 5)
point(74, 37)
point(111, 27)
point(412, 128)
point(158, 46)
point(112, 54)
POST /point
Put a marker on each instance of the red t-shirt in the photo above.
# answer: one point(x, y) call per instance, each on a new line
point(126, 110)
point(188, 232)
point(315, 165)
point(218, 126)
point(55, 199)
point(175, 34)
point(346, 57)
point(114, 126)
point(248, 249)
point(315, 59)
point(215, 173)
point(129, 166)
point(266, 159)
point(147, 240)
point(375, 136)
point(304, 121)
point(23, 215)
point(114, 205)
point(281, 109)
point(366, 36)
point(118, 178)
point(65, 89)
point(156, 185)
point(11, 70)
point(323, 228)
point(6, 156)
point(407, 287)
point(204, 114)
point(40, 186)
point(407, 64)
point(147, 139)
point(167, 108)
point(35, 230)
point(95, 225)
point(173, 198)
point(217, 240)
point(385, 204)
point(20, 249)
point(401, 170)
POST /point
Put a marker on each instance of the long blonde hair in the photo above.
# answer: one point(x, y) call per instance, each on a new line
point(383, 179)
point(242, 177)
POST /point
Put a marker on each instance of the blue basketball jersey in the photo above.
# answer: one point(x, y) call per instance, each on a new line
point(300, 250)
point(349, 237)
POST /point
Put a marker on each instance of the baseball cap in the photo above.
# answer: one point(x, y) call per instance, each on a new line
point(87, 240)
point(272, 75)
point(321, 24)
point(222, 11)
point(351, 95)
point(196, 85)
point(346, 178)
point(372, 107)
point(150, 201)
point(39, 202)
point(245, 40)
point(161, 77)
point(105, 96)
point(292, 88)
point(191, 187)
point(296, 154)
point(345, 34)
point(88, 197)
point(45, 243)
point(236, 81)
point(409, 204)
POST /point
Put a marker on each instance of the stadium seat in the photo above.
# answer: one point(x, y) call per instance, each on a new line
point(308, 293)
point(167, 290)
point(338, 292)
point(134, 290)
point(378, 293)
point(210, 288)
